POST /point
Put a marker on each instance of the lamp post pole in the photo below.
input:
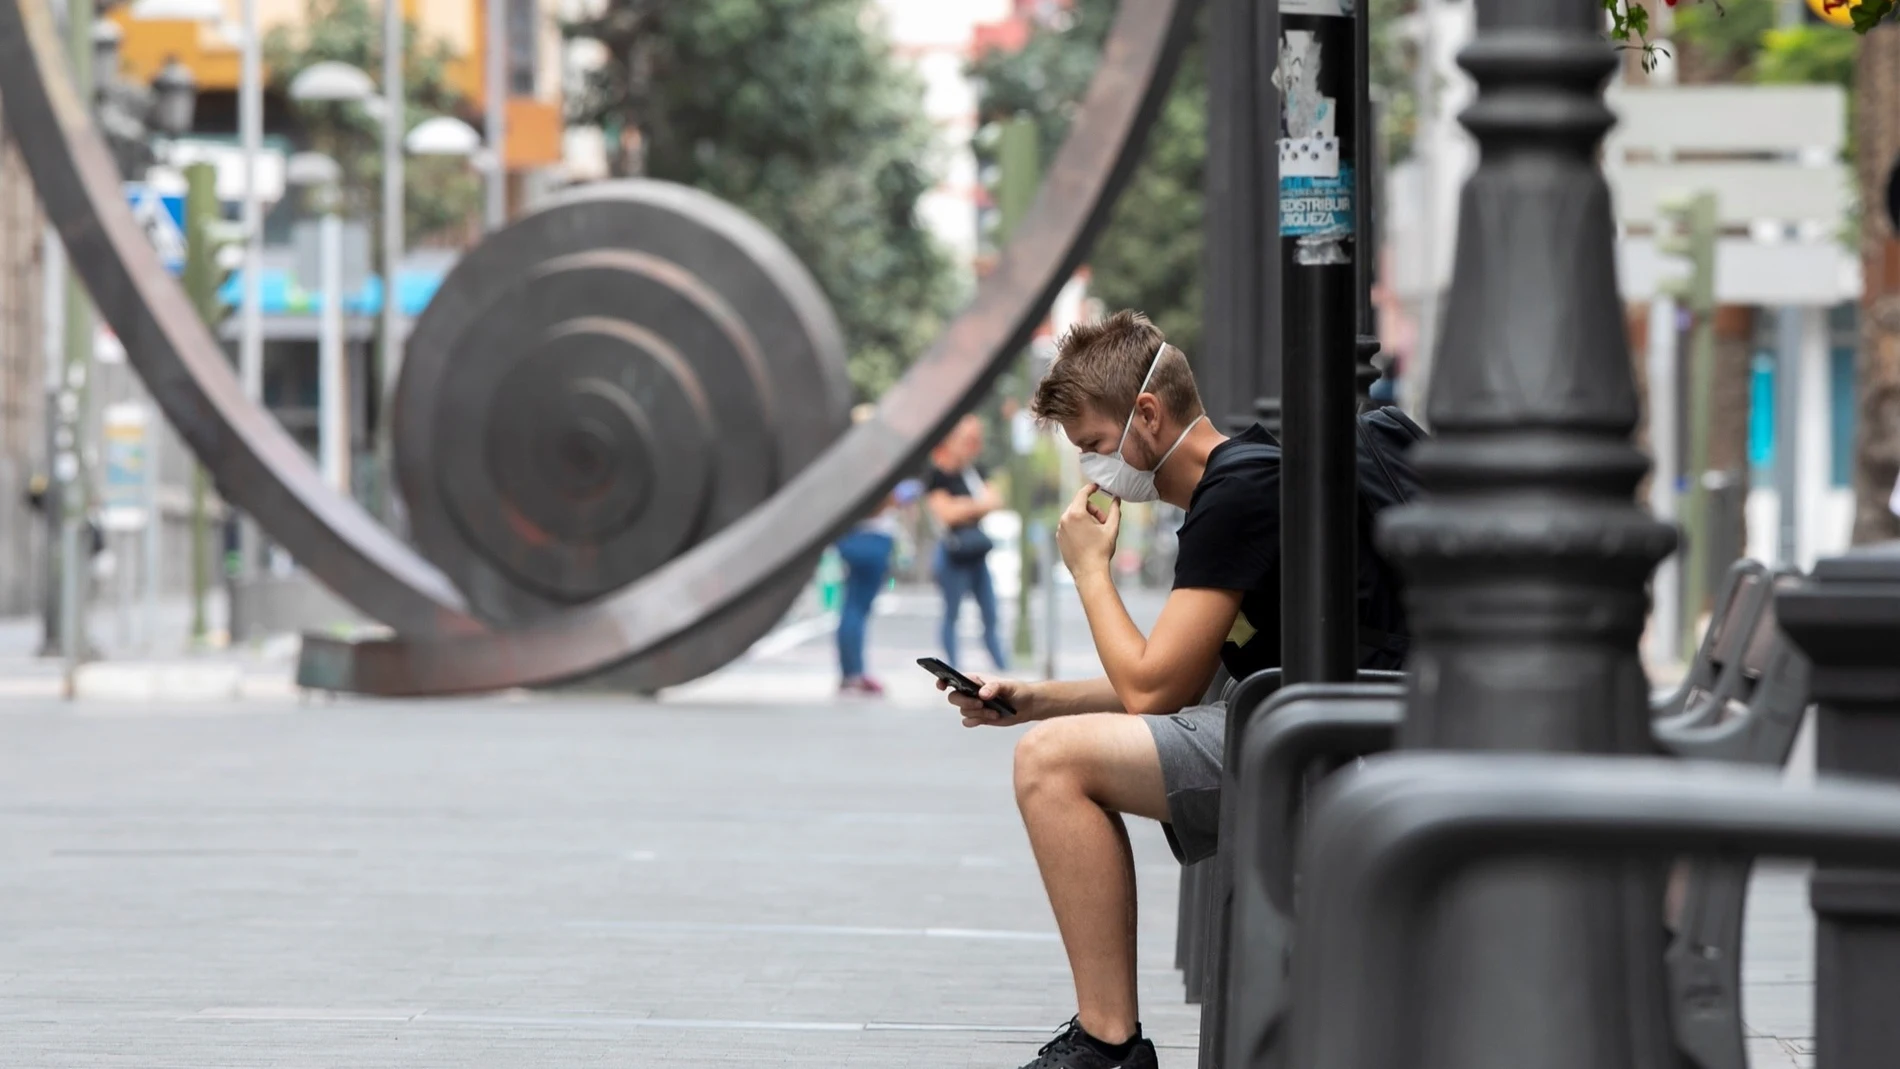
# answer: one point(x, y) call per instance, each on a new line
point(495, 112)
point(1365, 228)
point(1020, 175)
point(395, 124)
point(250, 295)
point(1318, 193)
point(71, 395)
point(1417, 371)
point(1239, 359)
point(201, 285)
point(333, 421)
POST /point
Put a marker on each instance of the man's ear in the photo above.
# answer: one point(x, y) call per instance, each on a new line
point(1148, 406)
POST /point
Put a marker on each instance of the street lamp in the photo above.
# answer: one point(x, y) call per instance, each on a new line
point(331, 80)
point(443, 135)
point(313, 170)
point(174, 98)
point(335, 81)
point(320, 174)
point(106, 36)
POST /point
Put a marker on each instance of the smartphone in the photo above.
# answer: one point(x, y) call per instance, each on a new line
point(963, 684)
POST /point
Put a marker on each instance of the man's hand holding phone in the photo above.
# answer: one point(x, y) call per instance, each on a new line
point(976, 713)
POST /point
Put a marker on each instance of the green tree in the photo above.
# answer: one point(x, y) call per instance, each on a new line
point(1629, 22)
point(1808, 54)
point(439, 193)
point(1721, 44)
point(798, 112)
point(1150, 254)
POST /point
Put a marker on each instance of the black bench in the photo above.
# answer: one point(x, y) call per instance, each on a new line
point(1207, 886)
point(1739, 603)
point(1711, 682)
point(1301, 725)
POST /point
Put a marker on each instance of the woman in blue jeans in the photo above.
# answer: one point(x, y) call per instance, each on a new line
point(958, 499)
point(866, 552)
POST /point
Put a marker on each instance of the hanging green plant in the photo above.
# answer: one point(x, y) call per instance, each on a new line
point(1629, 21)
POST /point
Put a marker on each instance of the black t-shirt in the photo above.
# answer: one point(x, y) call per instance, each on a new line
point(950, 482)
point(1230, 540)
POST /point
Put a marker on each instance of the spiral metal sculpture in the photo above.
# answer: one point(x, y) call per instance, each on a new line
point(619, 423)
point(600, 386)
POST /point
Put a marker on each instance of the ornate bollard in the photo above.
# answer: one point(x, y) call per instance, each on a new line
point(1847, 620)
point(1392, 845)
point(1528, 565)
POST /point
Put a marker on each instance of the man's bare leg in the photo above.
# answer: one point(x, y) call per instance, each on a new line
point(1075, 776)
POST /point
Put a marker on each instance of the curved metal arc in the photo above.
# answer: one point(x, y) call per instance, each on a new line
point(1130, 84)
point(1386, 837)
point(254, 464)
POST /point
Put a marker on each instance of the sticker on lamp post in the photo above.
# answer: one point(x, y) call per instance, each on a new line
point(1316, 187)
point(1317, 7)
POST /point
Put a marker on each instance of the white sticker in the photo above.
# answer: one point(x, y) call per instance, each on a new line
point(1309, 157)
point(1316, 7)
point(1308, 144)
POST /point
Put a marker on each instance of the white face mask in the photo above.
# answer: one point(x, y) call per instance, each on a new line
point(1113, 473)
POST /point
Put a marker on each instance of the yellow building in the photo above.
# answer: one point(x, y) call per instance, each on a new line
point(204, 35)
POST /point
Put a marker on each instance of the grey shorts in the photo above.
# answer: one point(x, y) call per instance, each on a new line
point(1191, 743)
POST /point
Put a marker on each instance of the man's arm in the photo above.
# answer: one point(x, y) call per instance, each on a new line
point(954, 511)
point(1035, 701)
point(1171, 668)
point(1066, 697)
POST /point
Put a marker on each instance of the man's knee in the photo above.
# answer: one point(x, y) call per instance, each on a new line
point(1063, 755)
point(1042, 758)
point(1108, 759)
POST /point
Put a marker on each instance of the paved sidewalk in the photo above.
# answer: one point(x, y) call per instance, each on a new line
point(746, 872)
point(520, 883)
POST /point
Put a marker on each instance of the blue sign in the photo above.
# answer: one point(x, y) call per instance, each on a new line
point(1313, 204)
point(162, 217)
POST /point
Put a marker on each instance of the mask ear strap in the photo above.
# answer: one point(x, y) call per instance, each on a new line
point(1153, 363)
point(1163, 462)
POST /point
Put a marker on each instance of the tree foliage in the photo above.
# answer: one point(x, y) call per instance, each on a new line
point(439, 193)
point(1150, 254)
point(798, 112)
point(1629, 20)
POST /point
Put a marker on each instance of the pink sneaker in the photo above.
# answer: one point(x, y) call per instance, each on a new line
point(864, 685)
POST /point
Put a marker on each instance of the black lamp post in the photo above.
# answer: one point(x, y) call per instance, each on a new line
point(106, 36)
point(174, 98)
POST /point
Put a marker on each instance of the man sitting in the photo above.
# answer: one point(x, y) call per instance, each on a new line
point(1128, 401)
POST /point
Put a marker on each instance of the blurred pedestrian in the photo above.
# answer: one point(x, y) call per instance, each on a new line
point(958, 499)
point(866, 552)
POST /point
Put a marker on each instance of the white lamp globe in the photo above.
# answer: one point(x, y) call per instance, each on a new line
point(443, 135)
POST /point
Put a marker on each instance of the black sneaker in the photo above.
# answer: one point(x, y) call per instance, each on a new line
point(1071, 1050)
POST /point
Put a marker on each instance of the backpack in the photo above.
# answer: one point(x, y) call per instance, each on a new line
point(1385, 478)
point(1386, 475)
